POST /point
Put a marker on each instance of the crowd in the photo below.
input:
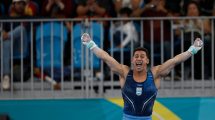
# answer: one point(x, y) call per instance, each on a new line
point(128, 30)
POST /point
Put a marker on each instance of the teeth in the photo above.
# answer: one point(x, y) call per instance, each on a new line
point(139, 63)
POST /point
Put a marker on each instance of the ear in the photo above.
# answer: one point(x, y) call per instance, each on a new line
point(132, 60)
point(147, 61)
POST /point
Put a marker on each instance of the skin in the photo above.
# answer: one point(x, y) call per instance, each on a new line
point(20, 7)
point(140, 71)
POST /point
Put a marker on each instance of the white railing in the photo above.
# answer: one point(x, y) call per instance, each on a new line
point(37, 62)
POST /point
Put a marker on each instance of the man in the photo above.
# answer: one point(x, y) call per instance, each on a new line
point(16, 34)
point(127, 29)
point(139, 85)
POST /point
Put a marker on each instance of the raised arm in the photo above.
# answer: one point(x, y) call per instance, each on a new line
point(164, 69)
point(110, 61)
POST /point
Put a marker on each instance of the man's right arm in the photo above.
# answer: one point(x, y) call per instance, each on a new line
point(110, 61)
point(116, 67)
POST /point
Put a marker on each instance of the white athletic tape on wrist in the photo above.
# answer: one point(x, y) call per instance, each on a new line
point(91, 45)
point(193, 50)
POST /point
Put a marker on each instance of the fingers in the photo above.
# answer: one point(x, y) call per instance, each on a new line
point(198, 42)
point(85, 37)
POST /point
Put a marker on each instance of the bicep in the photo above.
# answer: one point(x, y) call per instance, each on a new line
point(115, 66)
point(165, 68)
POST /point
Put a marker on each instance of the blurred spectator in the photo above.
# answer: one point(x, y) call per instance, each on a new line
point(32, 8)
point(125, 29)
point(90, 8)
point(16, 34)
point(205, 6)
point(135, 5)
point(156, 8)
point(125, 36)
point(17, 8)
point(97, 8)
point(174, 7)
point(57, 8)
point(193, 28)
point(193, 10)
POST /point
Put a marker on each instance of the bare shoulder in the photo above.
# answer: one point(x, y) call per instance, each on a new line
point(125, 70)
point(122, 77)
point(155, 71)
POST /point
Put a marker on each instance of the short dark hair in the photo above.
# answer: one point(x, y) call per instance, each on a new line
point(125, 10)
point(142, 49)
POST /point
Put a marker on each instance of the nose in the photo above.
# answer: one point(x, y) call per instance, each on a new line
point(139, 58)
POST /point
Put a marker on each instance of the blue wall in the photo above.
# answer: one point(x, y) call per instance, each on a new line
point(100, 109)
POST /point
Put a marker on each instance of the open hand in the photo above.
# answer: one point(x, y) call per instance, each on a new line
point(198, 43)
point(85, 38)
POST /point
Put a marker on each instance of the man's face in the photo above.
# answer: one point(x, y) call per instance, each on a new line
point(140, 60)
point(20, 7)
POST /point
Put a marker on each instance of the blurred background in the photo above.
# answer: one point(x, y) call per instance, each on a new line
point(46, 72)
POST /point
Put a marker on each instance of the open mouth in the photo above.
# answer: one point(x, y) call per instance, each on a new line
point(139, 63)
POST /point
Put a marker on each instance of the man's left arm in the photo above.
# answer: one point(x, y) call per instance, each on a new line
point(165, 68)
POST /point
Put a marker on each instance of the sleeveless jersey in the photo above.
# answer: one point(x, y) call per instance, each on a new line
point(139, 97)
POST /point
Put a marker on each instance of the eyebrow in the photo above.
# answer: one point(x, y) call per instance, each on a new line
point(140, 54)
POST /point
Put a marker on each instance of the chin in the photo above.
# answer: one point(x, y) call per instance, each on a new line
point(139, 69)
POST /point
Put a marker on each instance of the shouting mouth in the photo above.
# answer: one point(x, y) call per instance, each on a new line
point(139, 64)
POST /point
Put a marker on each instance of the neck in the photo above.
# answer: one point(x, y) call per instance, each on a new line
point(139, 76)
point(140, 73)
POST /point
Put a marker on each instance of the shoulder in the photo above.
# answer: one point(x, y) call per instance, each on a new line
point(125, 69)
point(155, 71)
point(122, 77)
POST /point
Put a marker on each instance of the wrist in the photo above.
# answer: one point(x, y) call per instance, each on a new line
point(193, 50)
point(91, 45)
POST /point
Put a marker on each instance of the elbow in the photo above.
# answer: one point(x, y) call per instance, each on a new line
point(164, 73)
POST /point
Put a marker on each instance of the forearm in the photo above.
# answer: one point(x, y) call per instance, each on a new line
point(100, 53)
point(110, 61)
point(104, 56)
point(181, 57)
point(166, 67)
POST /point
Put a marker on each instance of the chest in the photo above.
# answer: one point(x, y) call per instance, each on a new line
point(139, 79)
point(145, 88)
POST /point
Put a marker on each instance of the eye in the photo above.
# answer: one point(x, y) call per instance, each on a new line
point(136, 56)
point(142, 56)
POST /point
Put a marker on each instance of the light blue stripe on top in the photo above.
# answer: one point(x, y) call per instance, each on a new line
point(130, 117)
